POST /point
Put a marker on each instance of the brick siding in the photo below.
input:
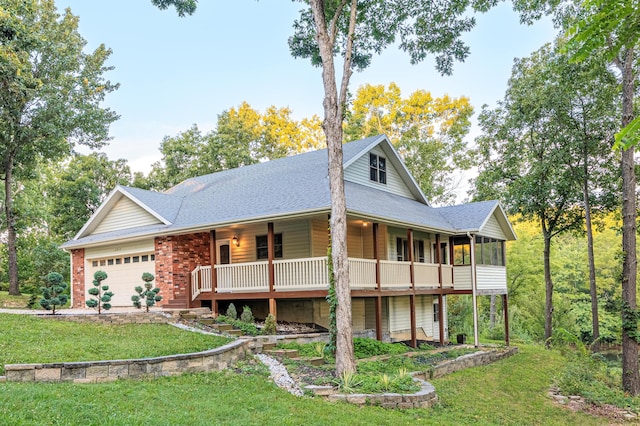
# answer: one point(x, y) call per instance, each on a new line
point(77, 278)
point(176, 257)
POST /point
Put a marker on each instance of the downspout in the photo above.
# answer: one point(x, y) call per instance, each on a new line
point(474, 288)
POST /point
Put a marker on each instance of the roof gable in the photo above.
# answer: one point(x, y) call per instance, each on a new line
point(399, 179)
point(124, 210)
point(483, 218)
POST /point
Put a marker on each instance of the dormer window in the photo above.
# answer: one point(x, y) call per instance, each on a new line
point(377, 168)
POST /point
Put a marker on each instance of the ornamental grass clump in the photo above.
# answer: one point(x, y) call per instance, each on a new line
point(53, 292)
point(149, 294)
point(100, 300)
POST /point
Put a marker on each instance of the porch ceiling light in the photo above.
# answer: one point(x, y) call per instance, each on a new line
point(235, 241)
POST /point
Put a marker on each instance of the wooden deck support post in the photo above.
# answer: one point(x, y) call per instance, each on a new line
point(376, 256)
point(213, 258)
point(505, 309)
point(412, 297)
point(273, 307)
point(440, 297)
point(272, 276)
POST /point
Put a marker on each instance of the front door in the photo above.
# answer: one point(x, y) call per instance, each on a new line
point(224, 252)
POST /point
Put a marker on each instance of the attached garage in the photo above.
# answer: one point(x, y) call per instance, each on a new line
point(124, 265)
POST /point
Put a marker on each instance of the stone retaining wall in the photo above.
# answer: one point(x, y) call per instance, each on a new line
point(279, 339)
point(424, 398)
point(106, 371)
point(482, 357)
point(115, 318)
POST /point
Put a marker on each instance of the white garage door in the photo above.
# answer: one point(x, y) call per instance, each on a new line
point(124, 273)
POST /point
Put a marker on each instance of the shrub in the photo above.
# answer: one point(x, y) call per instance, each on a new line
point(53, 292)
point(148, 293)
point(231, 312)
point(247, 329)
point(100, 300)
point(247, 315)
point(270, 325)
point(366, 348)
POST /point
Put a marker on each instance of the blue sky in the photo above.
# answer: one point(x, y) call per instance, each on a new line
point(175, 72)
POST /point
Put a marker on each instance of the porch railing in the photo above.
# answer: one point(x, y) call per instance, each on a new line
point(362, 273)
point(312, 274)
point(250, 276)
point(395, 274)
point(200, 281)
point(426, 275)
point(301, 274)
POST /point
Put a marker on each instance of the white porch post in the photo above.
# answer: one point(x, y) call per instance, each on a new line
point(474, 289)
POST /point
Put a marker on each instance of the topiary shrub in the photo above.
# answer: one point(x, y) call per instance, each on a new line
point(53, 292)
point(270, 325)
point(100, 300)
point(246, 315)
point(148, 293)
point(231, 312)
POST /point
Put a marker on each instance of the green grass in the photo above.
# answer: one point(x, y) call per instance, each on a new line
point(27, 339)
point(14, 302)
point(509, 392)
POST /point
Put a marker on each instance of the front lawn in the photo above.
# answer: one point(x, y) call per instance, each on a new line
point(26, 339)
point(510, 392)
point(14, 302)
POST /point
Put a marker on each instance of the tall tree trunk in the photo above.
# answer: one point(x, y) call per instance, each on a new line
point(333, 108)
point(630, 374)
point(592, 267)
point(548, 310)
point(12, 251)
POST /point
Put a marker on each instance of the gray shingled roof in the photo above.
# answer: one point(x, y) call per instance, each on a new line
point(283, 187)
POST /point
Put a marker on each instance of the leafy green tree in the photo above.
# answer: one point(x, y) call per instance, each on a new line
point(182, 158)
point(243, 136)
point(79, 188)
point(101, 294)
point(355, 30)
point(542, 142)
point(149, 294)
point(428, 133)
point(610, 28)
point(53, 292)
point(50, 97)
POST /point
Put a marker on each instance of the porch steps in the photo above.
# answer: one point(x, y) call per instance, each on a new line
point(268, 346)
point(282, 353)
point(223, 327)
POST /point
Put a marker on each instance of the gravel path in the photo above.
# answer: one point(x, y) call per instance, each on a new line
point(280, 375)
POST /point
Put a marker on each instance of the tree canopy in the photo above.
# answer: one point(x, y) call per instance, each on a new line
point(428, 133)
point(50, 98)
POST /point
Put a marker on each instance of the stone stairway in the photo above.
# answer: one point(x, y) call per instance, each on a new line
point(292, 354)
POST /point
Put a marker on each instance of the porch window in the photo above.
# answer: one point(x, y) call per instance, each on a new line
point(402, 250)
point(418, 251)
point(489, 251)
point(262, 247)
point(377, 168)
point(443, 253)
point(461, 251)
